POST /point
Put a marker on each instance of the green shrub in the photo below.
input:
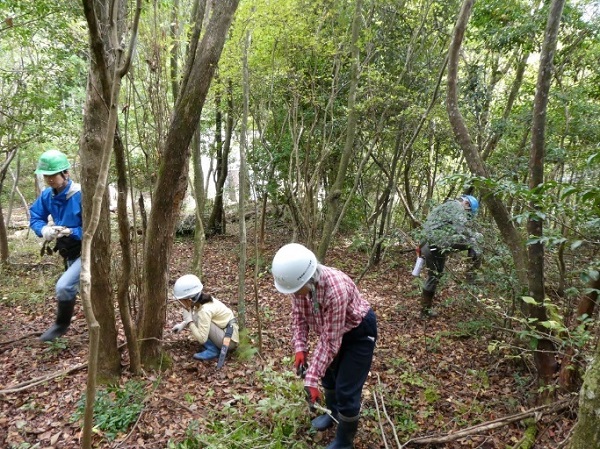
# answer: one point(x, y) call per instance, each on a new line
point(115, 408)
point(278, 420)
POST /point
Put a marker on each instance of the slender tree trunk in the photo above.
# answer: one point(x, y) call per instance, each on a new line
point(91, 145)
point(200, 198)
point(510, 234)
point(216, 222)
point(172, 179)
point(106, 93)
point(242, 187)
point(544, 355)
point(127, 271)
point(4, 251)
point(334, 198)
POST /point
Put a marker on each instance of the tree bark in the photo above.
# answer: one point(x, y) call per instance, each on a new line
point(95, 144)
point(126, 274)
point(545, 362)
point(510, 234)
point(334, 198)
point(586, 433)
point(242, 187)
point(91, 146)
point(172, 181)
point(4, 252)
point(216, 222)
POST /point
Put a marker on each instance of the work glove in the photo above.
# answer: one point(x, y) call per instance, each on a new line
point(179, 327)
point(300, 363)
point(312, 395)
point(49, 233)
point(64, 232)
point(187, 319)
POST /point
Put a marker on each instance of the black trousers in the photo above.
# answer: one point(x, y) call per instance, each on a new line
point(349, 369)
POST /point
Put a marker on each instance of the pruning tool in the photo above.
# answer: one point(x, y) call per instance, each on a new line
point(322, 409)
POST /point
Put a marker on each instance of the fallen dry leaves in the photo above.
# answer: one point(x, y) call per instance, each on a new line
point(433, 378)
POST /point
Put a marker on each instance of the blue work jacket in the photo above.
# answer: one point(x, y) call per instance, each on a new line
point(64, 207)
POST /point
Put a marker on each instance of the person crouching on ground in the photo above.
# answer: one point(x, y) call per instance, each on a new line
point(207, 317)
point(327, 301)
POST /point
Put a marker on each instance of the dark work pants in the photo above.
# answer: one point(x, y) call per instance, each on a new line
point(349, 369)
point(435, 261)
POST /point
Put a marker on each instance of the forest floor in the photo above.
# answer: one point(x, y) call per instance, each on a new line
point(434, 377)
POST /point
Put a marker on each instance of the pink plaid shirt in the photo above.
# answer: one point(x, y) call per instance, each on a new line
point(337, 308)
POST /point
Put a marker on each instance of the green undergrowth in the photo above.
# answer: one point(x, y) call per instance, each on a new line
point(116, 408)
point(28, 278)
point(277, 420)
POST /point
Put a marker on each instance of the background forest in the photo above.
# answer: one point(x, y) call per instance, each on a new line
point(226, 130)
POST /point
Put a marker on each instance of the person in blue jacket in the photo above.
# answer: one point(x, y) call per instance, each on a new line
point(62, 201)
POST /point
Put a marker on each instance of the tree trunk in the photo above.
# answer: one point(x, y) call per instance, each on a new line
point(92, 142)
point(510, 234)
point(545, 362)
point(104, 83)
point(586, 433)
point(334, 198)
point(242, 188)
point(216, 222)
point(200, 198)
point(4, 252)
point(172, 180)
point(127, 272)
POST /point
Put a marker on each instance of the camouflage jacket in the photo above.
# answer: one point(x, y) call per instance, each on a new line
point(449, 226)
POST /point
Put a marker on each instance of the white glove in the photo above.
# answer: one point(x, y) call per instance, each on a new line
point(187, 319)
point(179, 327)
point(64, 232)
point(49, 233)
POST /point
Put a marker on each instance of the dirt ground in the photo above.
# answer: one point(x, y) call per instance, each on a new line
point(436, 377)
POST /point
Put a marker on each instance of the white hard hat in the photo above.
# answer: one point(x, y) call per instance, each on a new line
point(293, 266)
point(187, 286)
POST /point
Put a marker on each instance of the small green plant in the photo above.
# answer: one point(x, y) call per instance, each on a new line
point(431, 394)
point(245, 351)
point(472, 328)
point(189, 398)
point(434, 343)
point(115, 408)
point(57, 345)
point(411, 378)
point(25, 446)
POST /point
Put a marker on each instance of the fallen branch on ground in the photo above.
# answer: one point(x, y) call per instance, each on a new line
point(39, 380)
point(537, 412)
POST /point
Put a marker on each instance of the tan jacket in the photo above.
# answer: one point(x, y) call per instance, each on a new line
point(212, 312)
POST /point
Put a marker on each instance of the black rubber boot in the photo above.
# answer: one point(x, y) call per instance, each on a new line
point(345, 433)
point(426, 305)
point(324, 421)
point(63, 320)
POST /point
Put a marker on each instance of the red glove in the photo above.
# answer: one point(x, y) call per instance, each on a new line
point(300, 362)
point(312, 395)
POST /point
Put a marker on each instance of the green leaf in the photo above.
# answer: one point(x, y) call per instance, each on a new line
point(529, 300)
point(551, 324)
point(576, 244)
